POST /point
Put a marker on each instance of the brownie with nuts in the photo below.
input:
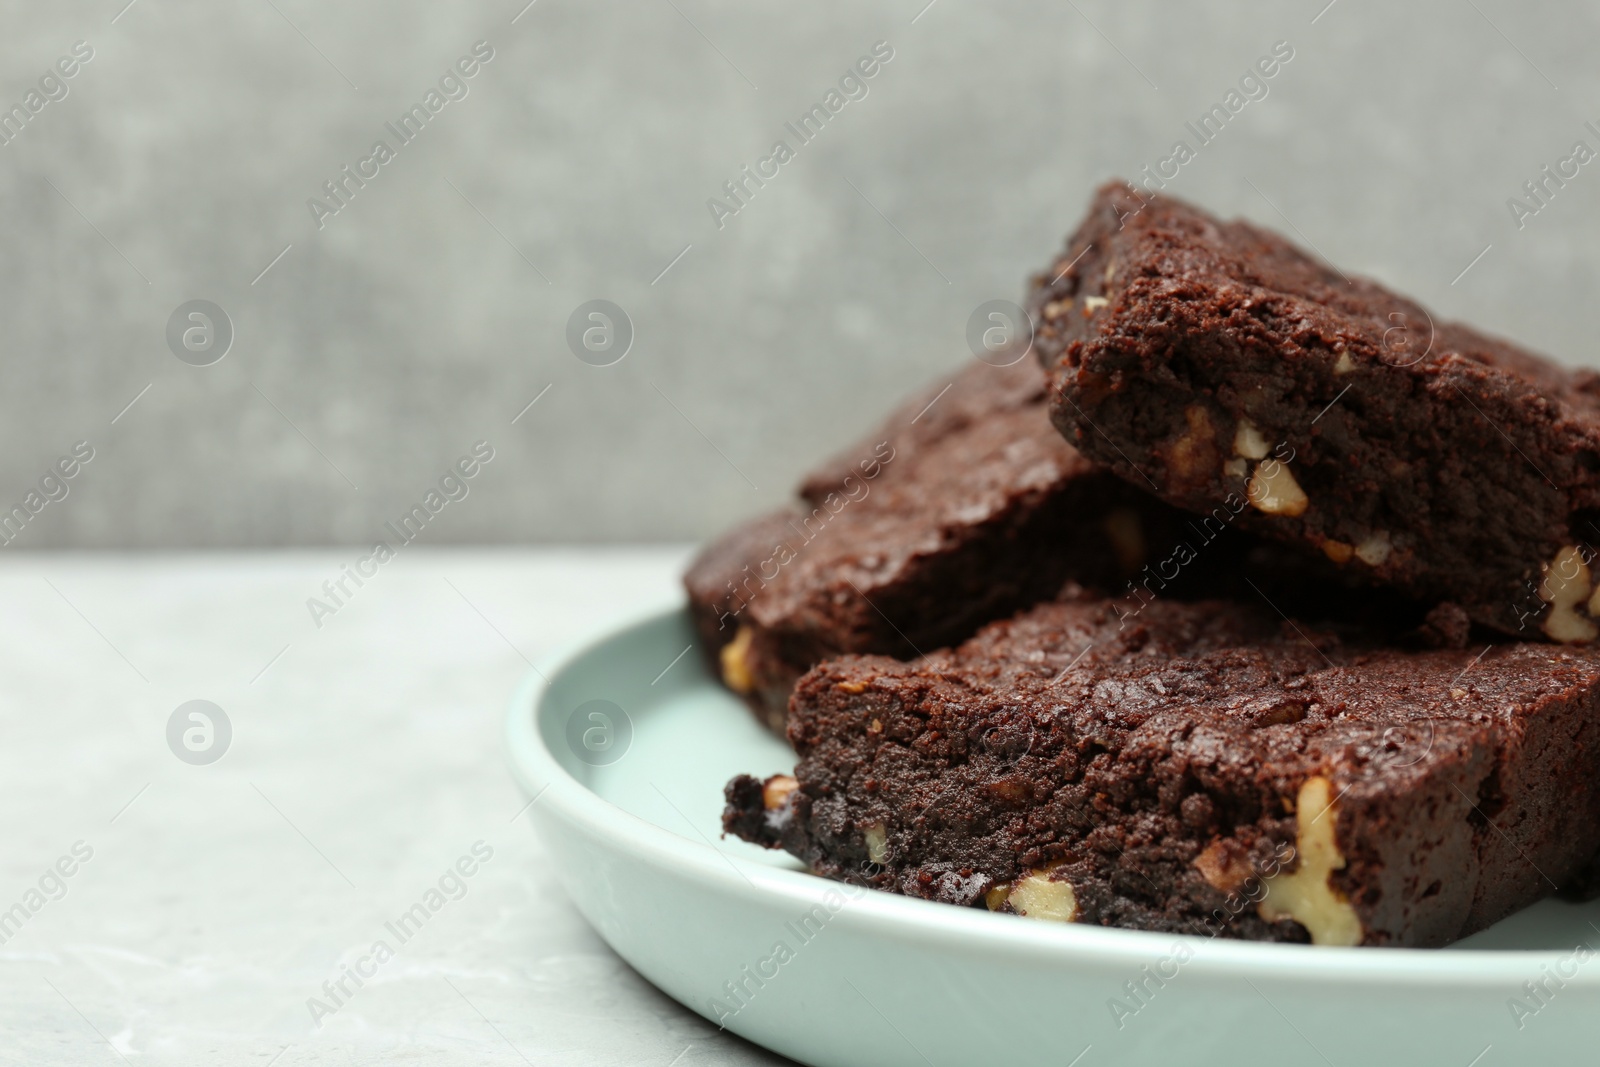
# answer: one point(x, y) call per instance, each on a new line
point(1204, 358)
point(964, 506)
point(1211, 769)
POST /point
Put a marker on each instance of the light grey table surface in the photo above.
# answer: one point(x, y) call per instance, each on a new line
point(365, 760)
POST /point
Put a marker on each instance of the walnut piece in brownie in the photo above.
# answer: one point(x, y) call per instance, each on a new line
point(1208, 769)
point(965, 506)
point(1202, 358)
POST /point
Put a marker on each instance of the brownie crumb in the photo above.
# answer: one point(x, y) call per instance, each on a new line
point(1446, 626)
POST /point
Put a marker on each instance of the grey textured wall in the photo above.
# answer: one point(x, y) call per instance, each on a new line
point(427, 312)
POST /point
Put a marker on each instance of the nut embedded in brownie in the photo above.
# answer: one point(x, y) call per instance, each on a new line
point(1209, 769)
point(1203, 358)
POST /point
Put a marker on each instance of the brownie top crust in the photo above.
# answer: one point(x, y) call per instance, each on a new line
point(1181, 250)
point(1258, 693)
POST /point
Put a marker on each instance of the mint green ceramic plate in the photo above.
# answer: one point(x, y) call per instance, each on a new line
point(629, 804)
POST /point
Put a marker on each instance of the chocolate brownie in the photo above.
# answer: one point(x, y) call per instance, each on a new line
point(713, 579)
point(965, 506)
point(1202, 359)
point(1210, 769)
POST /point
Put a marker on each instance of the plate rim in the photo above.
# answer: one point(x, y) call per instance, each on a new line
point(545, 781)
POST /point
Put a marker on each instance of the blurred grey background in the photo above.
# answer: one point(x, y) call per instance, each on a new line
point(374, 350)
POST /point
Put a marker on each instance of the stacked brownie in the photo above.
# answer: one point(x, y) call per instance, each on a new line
point(1279, 732)
point(964, 506)
point(1212, 360)
point(1061, 762)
